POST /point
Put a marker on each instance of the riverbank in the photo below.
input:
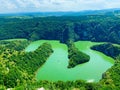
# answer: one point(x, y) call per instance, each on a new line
point(56, 69)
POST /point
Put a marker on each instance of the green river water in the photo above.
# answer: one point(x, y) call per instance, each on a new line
point(56, 69)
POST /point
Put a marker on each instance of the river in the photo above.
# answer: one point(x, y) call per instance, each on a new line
point(56, 69)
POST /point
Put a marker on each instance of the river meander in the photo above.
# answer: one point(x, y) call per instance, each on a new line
point(56, 69)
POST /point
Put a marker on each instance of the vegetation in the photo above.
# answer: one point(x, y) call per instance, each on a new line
point(91, 27)
point(111, 76)
point(19, 67)
point(108, 48)
point(60, 85)
point(17, 45)
point(75, 56)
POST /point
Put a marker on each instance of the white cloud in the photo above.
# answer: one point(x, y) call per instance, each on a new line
point(56, 5)
point(35, 3)
point(21, 3)
point(7, 4)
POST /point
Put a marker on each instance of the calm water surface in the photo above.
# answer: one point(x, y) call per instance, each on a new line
point(56, 69)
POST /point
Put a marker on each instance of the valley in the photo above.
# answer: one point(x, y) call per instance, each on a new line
point(36, 52)
point(58, 61)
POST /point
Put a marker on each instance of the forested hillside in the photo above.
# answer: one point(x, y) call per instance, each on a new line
point(75, 56)
point(108, 49)
point(91, 27)
point(17, 67)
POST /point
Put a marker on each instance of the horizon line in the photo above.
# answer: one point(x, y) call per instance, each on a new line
point(25, 12)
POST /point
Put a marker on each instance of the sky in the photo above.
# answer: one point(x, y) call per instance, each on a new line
point(15, 6)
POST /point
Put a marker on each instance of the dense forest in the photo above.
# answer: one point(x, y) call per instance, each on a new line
point(108, 48)
point(92, 27)
point(16, 65)
point(75, 56)
point(19, 67)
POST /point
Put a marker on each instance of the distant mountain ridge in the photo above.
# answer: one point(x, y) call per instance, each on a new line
point(113, 11)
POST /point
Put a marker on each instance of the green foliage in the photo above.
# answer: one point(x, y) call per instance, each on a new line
point(75, 56)
point(111, 77)
point(108, 49)
point(18, 67)
point(17, 45)
point(68, 85)
point(60, 85)
point(91, 27)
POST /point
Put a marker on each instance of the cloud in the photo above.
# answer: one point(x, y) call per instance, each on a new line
point(7, 4)
point(55, 5)
point(35, 3)
point(21, 3)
